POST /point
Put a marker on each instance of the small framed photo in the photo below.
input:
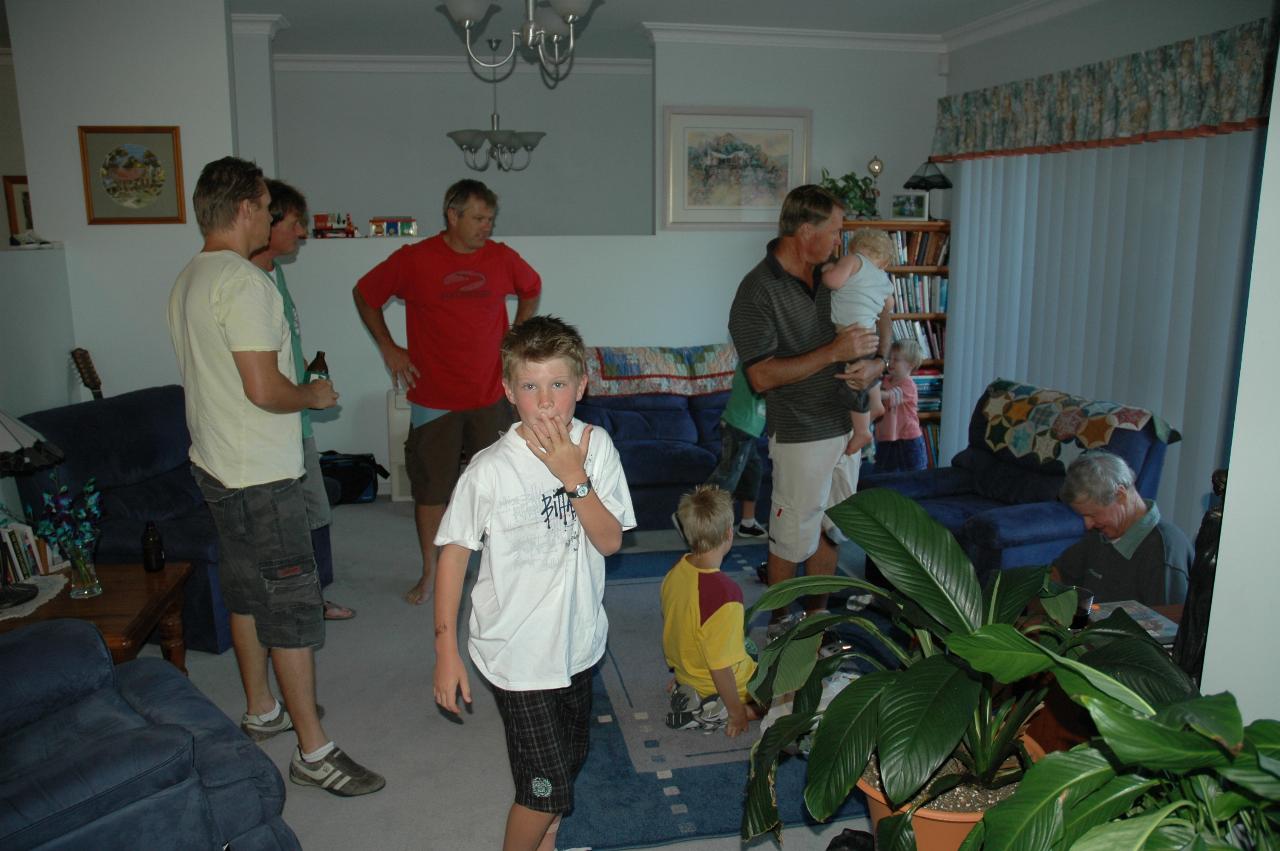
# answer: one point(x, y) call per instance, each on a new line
point(910, 205)
point(132, 175)
point(17, 201)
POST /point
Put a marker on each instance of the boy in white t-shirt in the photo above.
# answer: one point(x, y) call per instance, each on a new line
point(544, 504)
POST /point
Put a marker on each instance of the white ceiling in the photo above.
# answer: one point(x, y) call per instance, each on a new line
point(613, 28)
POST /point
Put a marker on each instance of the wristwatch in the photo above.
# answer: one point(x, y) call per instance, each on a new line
point(578, 492)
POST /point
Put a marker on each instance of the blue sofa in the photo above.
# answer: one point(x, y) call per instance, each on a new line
point(135, 445)
point(104, 757)
point(999, 497)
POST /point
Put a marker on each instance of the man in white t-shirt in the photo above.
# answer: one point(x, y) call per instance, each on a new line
point(227, 323)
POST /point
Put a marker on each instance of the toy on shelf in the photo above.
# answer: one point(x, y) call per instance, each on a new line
point(393, 226)
point(327, 225)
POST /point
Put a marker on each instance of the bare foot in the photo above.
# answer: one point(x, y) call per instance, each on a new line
point(857, 442)
point(419, 593)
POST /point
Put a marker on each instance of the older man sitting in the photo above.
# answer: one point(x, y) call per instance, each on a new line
point(1128, 552)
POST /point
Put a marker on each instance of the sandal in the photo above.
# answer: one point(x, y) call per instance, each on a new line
point(337, 612)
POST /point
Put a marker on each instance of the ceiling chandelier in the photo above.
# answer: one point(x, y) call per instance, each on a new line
point(546, 32)
point(503, 145)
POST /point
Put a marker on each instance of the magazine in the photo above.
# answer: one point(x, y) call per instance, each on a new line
point(1157, 625)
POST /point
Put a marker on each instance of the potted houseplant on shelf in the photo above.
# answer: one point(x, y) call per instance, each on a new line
point(936, 723)
point(1190, 775)
point(858, 193)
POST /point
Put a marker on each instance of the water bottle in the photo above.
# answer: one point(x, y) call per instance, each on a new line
point(152, 549)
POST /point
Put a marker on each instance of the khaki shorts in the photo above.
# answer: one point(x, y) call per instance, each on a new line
point(808, 478)
point(434, 451)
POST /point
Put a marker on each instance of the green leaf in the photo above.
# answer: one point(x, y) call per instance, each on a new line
point(1245, 771)
point(976, 839)
point(915, 553)
point(1034, 817)
point(1264, 737)
point(923, 714)
point(1001, 651)
point(1141, 740)
point(895, 833)
point(789, 590)
point(796, 663)
point(1111, 801)
point(1127, 835)
point(1172, 835)
point(1215, 717)
point(1061, 607)
point(842, 743)
point(1007, 592)
point(809, 695)
point(1143, 666)
point(760, 813)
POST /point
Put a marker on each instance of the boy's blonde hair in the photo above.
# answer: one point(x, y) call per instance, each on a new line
point(910, 349)
point(539, 339)
point(873, 244)
point(706, 517)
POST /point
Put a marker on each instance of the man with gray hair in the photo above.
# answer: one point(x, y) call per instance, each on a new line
point(1128, 552)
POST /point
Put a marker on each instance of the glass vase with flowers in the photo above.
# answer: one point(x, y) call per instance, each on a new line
point(71, 523)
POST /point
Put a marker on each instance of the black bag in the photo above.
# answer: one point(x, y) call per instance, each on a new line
point(351, 477)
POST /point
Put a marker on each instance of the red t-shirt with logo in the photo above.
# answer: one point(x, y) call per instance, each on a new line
point(456, 315)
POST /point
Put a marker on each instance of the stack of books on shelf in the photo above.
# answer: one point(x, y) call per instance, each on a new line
point(928, 333)
point(915, 293)
point(930, 433)
point(23, 555)
point(928, 390)
point(921, 248)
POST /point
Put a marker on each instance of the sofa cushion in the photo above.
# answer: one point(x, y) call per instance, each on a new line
point(1019, 525)
point(67, 729)
point(995, 478)
point(631, 418)
point(666, 462)
point(173, 493)
point(953, 511)
point(191, 537)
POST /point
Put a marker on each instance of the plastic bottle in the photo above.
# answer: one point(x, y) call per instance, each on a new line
point(152, 548)
point(318, 368)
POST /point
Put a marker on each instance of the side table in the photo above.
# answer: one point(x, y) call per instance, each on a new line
point(132, 604)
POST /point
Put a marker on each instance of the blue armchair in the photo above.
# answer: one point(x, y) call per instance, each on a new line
point(999, 497)
point(104, 757)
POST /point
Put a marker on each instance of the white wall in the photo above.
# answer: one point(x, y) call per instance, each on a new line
point(368, 137)
point(1097, 31)
point(72, 70)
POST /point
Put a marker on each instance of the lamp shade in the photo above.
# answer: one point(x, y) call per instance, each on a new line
point(577, 8)
point(530, 139)
point(463, 11)
point(468, 140)
point(23, 449)
point(505, 139)
point(928, 176)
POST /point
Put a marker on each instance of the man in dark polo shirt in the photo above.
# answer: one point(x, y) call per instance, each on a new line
point(781, 326)
point(1128, 551)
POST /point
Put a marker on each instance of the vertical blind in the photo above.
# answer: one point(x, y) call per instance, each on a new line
point(1114, 273)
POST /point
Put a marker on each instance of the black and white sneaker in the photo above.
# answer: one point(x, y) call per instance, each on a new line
point(336, 773)
point(752, 530)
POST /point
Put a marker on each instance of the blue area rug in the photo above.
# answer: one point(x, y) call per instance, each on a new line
point(616, 807)
point(644, 784)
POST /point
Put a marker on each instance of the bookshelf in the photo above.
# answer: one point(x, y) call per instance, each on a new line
point(921, 282)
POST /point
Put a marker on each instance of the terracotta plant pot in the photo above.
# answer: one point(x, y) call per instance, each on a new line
point(935, 830)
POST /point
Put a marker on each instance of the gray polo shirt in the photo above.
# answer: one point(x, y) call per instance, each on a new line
point(1149, 563)
point(775, 314)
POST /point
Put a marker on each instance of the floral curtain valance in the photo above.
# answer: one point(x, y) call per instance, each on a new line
point(1216, 83)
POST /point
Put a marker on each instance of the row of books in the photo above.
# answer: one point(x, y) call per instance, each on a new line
point(930, 433)
point(916, 293)
point(927, 332)
point(921, 248)
point(23, 555)
point(928, 390)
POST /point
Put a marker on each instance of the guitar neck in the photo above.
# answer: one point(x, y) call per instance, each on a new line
point(88, 373)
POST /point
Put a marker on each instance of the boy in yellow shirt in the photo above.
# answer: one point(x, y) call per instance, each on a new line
point(702, 623)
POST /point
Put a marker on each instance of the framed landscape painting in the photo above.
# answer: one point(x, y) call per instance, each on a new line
point(132, 175)
point(17, 201)
point(729, 168)
point(910, 204)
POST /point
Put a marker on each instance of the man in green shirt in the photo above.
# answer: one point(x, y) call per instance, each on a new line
point(288, 225)
point(1128, 552)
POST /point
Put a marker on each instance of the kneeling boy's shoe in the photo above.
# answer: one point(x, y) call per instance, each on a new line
point(712, 714)
point(683, 714)
point(336, 773)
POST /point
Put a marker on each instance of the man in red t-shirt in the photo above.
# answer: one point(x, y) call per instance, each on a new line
point(455, 287)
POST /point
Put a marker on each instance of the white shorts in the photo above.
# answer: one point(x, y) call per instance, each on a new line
point(808, 478)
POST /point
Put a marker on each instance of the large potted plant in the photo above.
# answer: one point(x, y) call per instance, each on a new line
point(1190, 775)
point(933, 720)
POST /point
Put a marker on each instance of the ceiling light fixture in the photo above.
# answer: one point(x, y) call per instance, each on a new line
point(545, 33)
point(504, 145)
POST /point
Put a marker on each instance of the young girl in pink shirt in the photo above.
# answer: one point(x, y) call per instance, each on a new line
point(899, 441)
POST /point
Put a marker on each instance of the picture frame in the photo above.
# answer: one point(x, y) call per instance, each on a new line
point(731, 167)
point(132, 175)
point(911, 205)
point(17, 202)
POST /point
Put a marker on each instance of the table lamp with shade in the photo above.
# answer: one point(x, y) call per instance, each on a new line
point(22, 450)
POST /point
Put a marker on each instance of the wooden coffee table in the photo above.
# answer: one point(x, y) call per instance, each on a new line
point(132, 604)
